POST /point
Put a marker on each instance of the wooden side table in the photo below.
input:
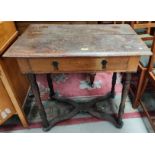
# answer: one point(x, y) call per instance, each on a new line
point(53, 49)
point(13, 85)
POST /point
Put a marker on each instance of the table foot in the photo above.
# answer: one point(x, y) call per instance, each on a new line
point(113, 94)
point(104, 116)
point(45, 129)
point(59, 119)
point(119, 123)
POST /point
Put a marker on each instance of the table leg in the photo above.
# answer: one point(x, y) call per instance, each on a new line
point(125, 90)
point(35, 90)
point(50, 85)
point(89, 107)
point(114, 77)
point(91, 78)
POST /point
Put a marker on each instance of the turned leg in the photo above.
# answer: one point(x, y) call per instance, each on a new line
point(50, 85)
point(125, 90)
point(35, 90)
point(114, 77)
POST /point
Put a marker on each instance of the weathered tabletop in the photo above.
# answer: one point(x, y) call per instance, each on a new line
point(45, 40)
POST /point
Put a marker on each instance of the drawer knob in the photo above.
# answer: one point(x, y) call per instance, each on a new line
point(55, 65)
point(104, 63)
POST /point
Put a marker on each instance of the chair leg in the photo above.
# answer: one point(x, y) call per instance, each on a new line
point(146, 80)
point(139, 89)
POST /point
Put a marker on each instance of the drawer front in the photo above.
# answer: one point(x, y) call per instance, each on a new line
point(7, 34)
point(62, 65)
point(6, 106)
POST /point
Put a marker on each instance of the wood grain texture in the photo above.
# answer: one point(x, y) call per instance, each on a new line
point(6, 106)
point(45, 65)
point(45, 40)
point(16, 85)
point(18, 82)
point(8, 33)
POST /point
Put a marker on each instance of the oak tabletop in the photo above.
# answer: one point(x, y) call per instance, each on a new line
point(50, 40)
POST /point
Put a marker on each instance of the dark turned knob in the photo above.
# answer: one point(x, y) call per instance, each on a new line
point(104, 63)
point(55, 65)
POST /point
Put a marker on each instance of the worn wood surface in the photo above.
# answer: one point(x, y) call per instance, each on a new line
point(77, 48)
point(45, 40)
point(23, 25)
point(45, 65)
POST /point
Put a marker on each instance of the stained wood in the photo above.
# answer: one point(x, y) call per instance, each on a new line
point(8, 33)
point(6, 106)
point(143, 25)
point(16, 86)
point(152, 76)
point(18, 81)
point(78, 48)
point(143, 69)
point(45, 65)
point(45, 40)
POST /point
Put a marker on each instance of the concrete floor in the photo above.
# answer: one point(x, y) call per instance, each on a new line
point(134, 125)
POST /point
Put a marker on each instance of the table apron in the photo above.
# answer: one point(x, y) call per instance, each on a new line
point(78, 64)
